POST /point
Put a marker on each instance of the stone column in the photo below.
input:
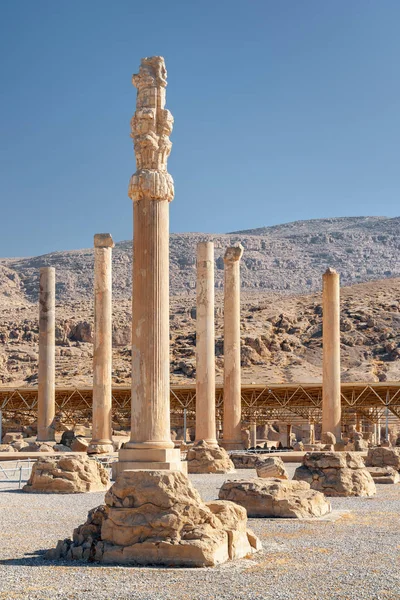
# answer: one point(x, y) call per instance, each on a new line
point(253, 434)
point(46, 373)
point(285, 431)
point(151, 189)
point(205, 345)
point(232, 437)
point(331, 398)
point(102, 348)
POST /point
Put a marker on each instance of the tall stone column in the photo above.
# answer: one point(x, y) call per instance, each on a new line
point(232, 436)
point(46, 373)
point(102, 348)
point(151, 189)
point(205, 345)
point(253, 434)
point(331, 398)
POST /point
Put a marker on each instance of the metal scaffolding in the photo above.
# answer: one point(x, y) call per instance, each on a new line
point(292, 403)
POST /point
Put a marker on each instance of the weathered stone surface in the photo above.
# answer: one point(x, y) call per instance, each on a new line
point(298, 447)
point(328, 438)
point(384, 457)
point(384, 474)
point(244, 460)
point(271, 466)
point(67, 475)
point(12, 436)
point(336, 474)
point(6, 448)
point(157, 517)
point(61, 448)
point(38, 447)
point(204, 458)
point(276, 498)
point(79, 444)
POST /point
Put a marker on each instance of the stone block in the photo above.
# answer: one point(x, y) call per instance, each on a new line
point(276, 498)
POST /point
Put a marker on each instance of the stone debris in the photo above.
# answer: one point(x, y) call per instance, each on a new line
point(359, 443)
point(271, 467)
point(6, 448)
point(204, 458)
point(12, 436)
point(158, 518)
point(276, 498)
point(336, 474)
point(67, 475)
point(298, 447)
point(244, 460)
point(384, 457)
point(79, 444)
point(384, 474)
point(38, 447)
point(329, 441)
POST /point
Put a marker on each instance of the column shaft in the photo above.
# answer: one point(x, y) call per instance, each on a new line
point(46, 373)
point(331, 399)
point(102, 347)
point(150, 424)
point(253, 434)
point(205, 345)
point(232, 437)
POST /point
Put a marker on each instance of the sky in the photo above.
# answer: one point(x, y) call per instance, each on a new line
point(284, 110)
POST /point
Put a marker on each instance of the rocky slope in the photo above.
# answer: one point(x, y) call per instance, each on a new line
point(281, 338)
point(281, 325)
point(287, 258)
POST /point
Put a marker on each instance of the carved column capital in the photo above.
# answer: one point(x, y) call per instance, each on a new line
point(151, 126)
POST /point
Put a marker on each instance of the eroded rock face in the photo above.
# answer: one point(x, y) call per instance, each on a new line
point(384, 457)
point(336, 474)
point(157, 517)
point(276, 498)
point(271, 467)
point(384, 474)
point(203, 458)
point(67, 475)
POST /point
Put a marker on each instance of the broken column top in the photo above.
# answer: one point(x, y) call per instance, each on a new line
point(103, 240)
point(234, 253)
point(330, 271)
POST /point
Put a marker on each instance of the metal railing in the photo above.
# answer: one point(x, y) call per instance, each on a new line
point(19, 468)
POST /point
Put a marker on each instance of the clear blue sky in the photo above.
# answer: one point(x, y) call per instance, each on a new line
point(284, 110)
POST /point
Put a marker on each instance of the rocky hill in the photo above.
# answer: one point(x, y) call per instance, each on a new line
point(287, 258)
point(281, 325)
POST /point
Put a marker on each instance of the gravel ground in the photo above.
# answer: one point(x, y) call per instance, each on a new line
point(354, 555)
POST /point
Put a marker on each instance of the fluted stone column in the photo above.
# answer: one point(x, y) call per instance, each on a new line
point(331, 399)
point(151, 189)
point(232, 437)
point(205, 345)
point(46, 373)
point(102, 348)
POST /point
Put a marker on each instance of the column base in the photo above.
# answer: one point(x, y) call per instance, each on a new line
point(100, 448)
point(149, 459)
point(228, 445)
